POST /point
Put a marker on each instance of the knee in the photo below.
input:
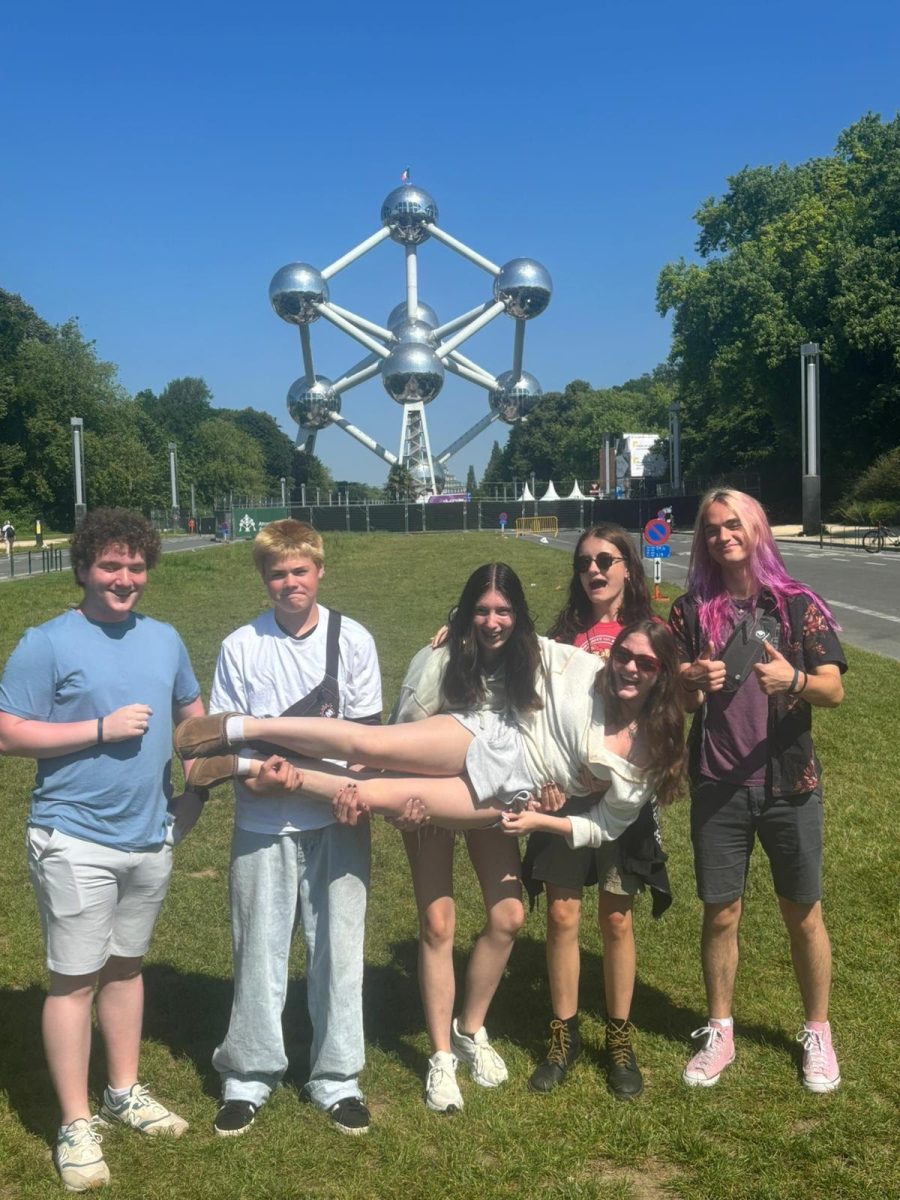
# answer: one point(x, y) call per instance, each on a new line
point(119, 970)
point(803, 921)
point(563, 918)
point(616, 926)
point(437, 928)
point(722, 918)
point(506, 918)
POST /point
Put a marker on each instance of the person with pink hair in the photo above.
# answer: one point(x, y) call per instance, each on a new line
point(759, 650)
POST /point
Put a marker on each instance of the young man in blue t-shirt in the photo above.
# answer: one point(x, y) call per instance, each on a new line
point(91, 696)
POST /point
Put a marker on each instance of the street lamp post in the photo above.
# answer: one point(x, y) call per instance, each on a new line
point(77, 424)
point(283, 492)
point(173, 479)
point(675, 447)
point(811, 453)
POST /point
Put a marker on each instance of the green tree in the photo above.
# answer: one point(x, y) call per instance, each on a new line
point(400, 484)
point(180, 409)
point(226, 460)
point(277, 448)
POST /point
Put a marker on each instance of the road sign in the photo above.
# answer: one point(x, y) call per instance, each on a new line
point(657, 570)
point(657, 552)
point(656, 532)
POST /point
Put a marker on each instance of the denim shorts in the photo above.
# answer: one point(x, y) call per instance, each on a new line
point(95, 901)
point(725, 822)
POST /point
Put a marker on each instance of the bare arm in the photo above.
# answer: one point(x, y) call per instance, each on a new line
point(24, 738)
point(517, 824)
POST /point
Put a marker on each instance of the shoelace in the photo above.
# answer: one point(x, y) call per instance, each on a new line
point(560, 1042)
point(86, 1134)
point(486, 1055)
point(437, 1073)
point(814, 1047)
point(618, 1043)
point(714, 1035)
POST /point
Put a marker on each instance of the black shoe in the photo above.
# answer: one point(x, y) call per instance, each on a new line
point(565, 1047)
point(350, 1115)
point(234, 1118)
point(622, 1076)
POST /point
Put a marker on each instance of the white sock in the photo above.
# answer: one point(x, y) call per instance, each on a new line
point(234, 730)
point(117, 1095)
point(725, 1022)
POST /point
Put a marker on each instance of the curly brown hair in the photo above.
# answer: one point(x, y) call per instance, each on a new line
point(104, 527)
point(662, 716)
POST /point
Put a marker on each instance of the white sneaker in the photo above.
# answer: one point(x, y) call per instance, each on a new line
point(486, 1066)
point(78, 1157)
point(141, 1112)
point(442, 1094)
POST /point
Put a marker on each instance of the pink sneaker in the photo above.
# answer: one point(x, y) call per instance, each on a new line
point(717, 1053)
point(820, 1066)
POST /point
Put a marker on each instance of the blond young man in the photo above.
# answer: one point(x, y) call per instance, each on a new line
point(290, 859)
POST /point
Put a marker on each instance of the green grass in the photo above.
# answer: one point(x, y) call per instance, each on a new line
point(757, 1134)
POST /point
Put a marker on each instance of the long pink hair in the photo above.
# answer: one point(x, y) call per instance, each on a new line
point(705, 583)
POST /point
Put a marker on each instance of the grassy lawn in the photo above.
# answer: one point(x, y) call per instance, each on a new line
point(757, 1134)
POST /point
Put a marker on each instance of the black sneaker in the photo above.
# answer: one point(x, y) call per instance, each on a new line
point(350, 1116)
point(623, 1077)
point(565, 1047)
point(234, 1118)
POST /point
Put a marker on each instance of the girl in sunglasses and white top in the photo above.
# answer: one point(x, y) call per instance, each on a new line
point(607, 590)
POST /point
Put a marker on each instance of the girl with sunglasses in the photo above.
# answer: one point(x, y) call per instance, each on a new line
point(607, 591)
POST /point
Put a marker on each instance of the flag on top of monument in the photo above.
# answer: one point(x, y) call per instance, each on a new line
point(404, 178)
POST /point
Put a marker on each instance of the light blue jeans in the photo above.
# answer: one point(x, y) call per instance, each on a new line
point(319, 880)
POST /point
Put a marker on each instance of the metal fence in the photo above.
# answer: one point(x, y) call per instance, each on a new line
point(37, 562)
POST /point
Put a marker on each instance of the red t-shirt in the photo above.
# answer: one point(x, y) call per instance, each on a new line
point(598, 639)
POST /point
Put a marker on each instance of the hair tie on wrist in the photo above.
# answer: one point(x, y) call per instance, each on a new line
point(99, 731)
point(792, 688)
point(805, 682)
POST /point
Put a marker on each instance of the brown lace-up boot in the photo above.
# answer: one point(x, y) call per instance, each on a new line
point(622, 1076)
point(565, 1047)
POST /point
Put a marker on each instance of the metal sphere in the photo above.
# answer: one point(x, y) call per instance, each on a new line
point(421, 477)
point(524, 287)
point(414, 331)
point(312, 403)
point(424, 313)
point(412, 372)
point(294, 290)
point(407, 212)
point(514, 398)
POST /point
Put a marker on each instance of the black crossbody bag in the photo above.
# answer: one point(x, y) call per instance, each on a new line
point(745, 646)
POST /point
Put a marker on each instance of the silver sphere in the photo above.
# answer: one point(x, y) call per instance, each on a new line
point(414, 331)
point(524, 287)
point(422, 479)
point(312, 403)
point(424, 313)
point(412, 372)
point(514, 398)
point(407, 212)
point(294, 290)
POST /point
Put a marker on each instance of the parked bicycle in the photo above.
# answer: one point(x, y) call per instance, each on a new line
point(875, 540)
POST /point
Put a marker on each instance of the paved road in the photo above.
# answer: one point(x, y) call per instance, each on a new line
point(862, 590)
point(21, 567)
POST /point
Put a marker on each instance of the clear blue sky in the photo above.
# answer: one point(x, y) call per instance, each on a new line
point(162, 161)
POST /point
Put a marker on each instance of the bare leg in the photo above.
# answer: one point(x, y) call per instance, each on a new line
point(448, 802)
point(495, 857)
point(719, 952)
point(431, 864)
point(434, 746)
point(563, 954)
point(614, 914)
point(66, 1026)
point(120, 1014)
point(811, 955)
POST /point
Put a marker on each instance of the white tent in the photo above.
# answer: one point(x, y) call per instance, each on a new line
point(526, 495)
point(551, 493)
point(576, 493)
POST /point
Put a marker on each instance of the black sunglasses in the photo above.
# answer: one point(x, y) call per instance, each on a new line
point(603, 561)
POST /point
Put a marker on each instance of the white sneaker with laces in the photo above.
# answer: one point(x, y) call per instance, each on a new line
point(820, 1067)
point(442, 1094)
point(141, 1112)
point(78, 1157)
point(486, 1066)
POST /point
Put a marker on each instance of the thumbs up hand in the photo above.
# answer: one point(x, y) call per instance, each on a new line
point(706, 673)
point(774, 673)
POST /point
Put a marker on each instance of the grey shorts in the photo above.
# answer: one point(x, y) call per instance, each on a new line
point(726, 820)
point(550, 860)
point(495, 760)
point(95, 901)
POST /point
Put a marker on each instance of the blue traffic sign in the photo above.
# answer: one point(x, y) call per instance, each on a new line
point(657, 551)
point(657, 531)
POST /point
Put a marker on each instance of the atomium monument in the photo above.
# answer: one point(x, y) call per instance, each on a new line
point(414, 350)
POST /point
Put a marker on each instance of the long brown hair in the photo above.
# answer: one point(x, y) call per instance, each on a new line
point(662, 717)
point(520, 658)
point(578, 614)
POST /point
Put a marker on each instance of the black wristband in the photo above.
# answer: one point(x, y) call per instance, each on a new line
point(99, 731)
point(792, 687)
point(800, 691)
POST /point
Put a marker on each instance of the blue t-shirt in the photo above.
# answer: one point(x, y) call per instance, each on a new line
point(74, 669)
